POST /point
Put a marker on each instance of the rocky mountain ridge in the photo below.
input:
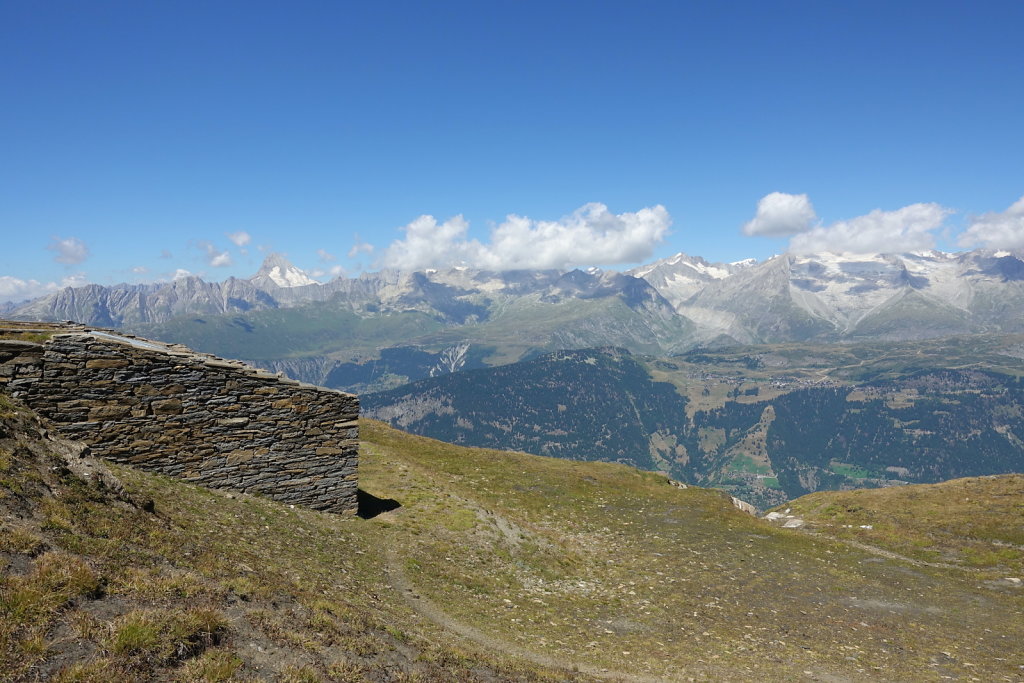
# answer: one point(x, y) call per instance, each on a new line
point(822, 297)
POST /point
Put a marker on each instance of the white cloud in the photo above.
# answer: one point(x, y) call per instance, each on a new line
point(333, 271)
point(781, 214)
point(997, 230)
point(139, 270)
point(325, 255)
point(908, 229)
point(214, 256)
point(181, 273)
point(360, 247)
point(591, 235)
point(17, 290)
point(70, 250)
point(240, 238)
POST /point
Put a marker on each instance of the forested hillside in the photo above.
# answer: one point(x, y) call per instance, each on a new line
point(750, 421)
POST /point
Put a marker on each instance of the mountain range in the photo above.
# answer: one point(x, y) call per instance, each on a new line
point(381, 329)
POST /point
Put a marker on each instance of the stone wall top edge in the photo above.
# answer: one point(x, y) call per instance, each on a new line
point(19, 344)
point(176, 351)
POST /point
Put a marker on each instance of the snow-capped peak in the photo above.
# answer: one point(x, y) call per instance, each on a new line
point(279, 271)
point(290, 277)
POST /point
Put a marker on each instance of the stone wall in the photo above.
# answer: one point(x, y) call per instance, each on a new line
point(204, 419)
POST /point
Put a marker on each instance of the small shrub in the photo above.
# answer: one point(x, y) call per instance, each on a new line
point(303, 674)
point(346, 672)
point(212, 666)
point(157, 637)
point(396, 633)
point(7, 408)
point(137, 633)
point(19, 540)
point(97, 671)
point(21, 605)
point(156, 583)
point(85, 625)
point(56, 516)
point(67, 575)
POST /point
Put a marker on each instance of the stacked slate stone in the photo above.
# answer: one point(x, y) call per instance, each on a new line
point(210, 421)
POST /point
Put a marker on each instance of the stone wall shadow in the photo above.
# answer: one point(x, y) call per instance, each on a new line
point(370, 505)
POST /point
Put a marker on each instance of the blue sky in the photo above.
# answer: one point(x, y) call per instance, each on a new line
point(137, 137)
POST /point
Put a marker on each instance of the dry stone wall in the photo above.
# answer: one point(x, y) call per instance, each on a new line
point(204, 419)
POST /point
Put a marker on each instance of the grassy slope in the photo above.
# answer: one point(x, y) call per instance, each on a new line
point(548, 561)
point(975, 523)
point(207, 586)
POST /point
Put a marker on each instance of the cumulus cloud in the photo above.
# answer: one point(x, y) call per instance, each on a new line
point(240, 238)
point(591, 235)
point(908, 229)
point(214, 256)
point(180, 274)
point(325, 255)
point(360, 247)
point(781, 214)
point(16, 289)
point(997, 230)
point(333, 271)
point(70, 250)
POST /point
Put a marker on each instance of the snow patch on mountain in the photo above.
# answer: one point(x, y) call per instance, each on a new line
point(290, 277)
point(277, 271)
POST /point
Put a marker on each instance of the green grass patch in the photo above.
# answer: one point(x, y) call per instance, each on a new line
point(851, 471)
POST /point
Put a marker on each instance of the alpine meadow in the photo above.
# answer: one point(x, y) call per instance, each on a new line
point(527, 342)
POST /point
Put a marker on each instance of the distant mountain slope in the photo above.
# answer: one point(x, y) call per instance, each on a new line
point(679, 277)
point(355, 345)
point(766, 428)
point(830, 297)
point(586, 405)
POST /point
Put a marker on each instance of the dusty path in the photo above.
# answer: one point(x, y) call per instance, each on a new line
point(429, 610)
point(888, 554)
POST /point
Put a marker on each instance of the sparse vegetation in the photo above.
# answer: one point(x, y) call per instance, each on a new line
point(37, 337)
point(495, 566)
point(975, 523)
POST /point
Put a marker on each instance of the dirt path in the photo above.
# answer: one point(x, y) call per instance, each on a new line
point(427, 609)
point(888, 554)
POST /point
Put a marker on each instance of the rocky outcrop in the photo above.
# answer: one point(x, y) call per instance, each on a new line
point(204, 419)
